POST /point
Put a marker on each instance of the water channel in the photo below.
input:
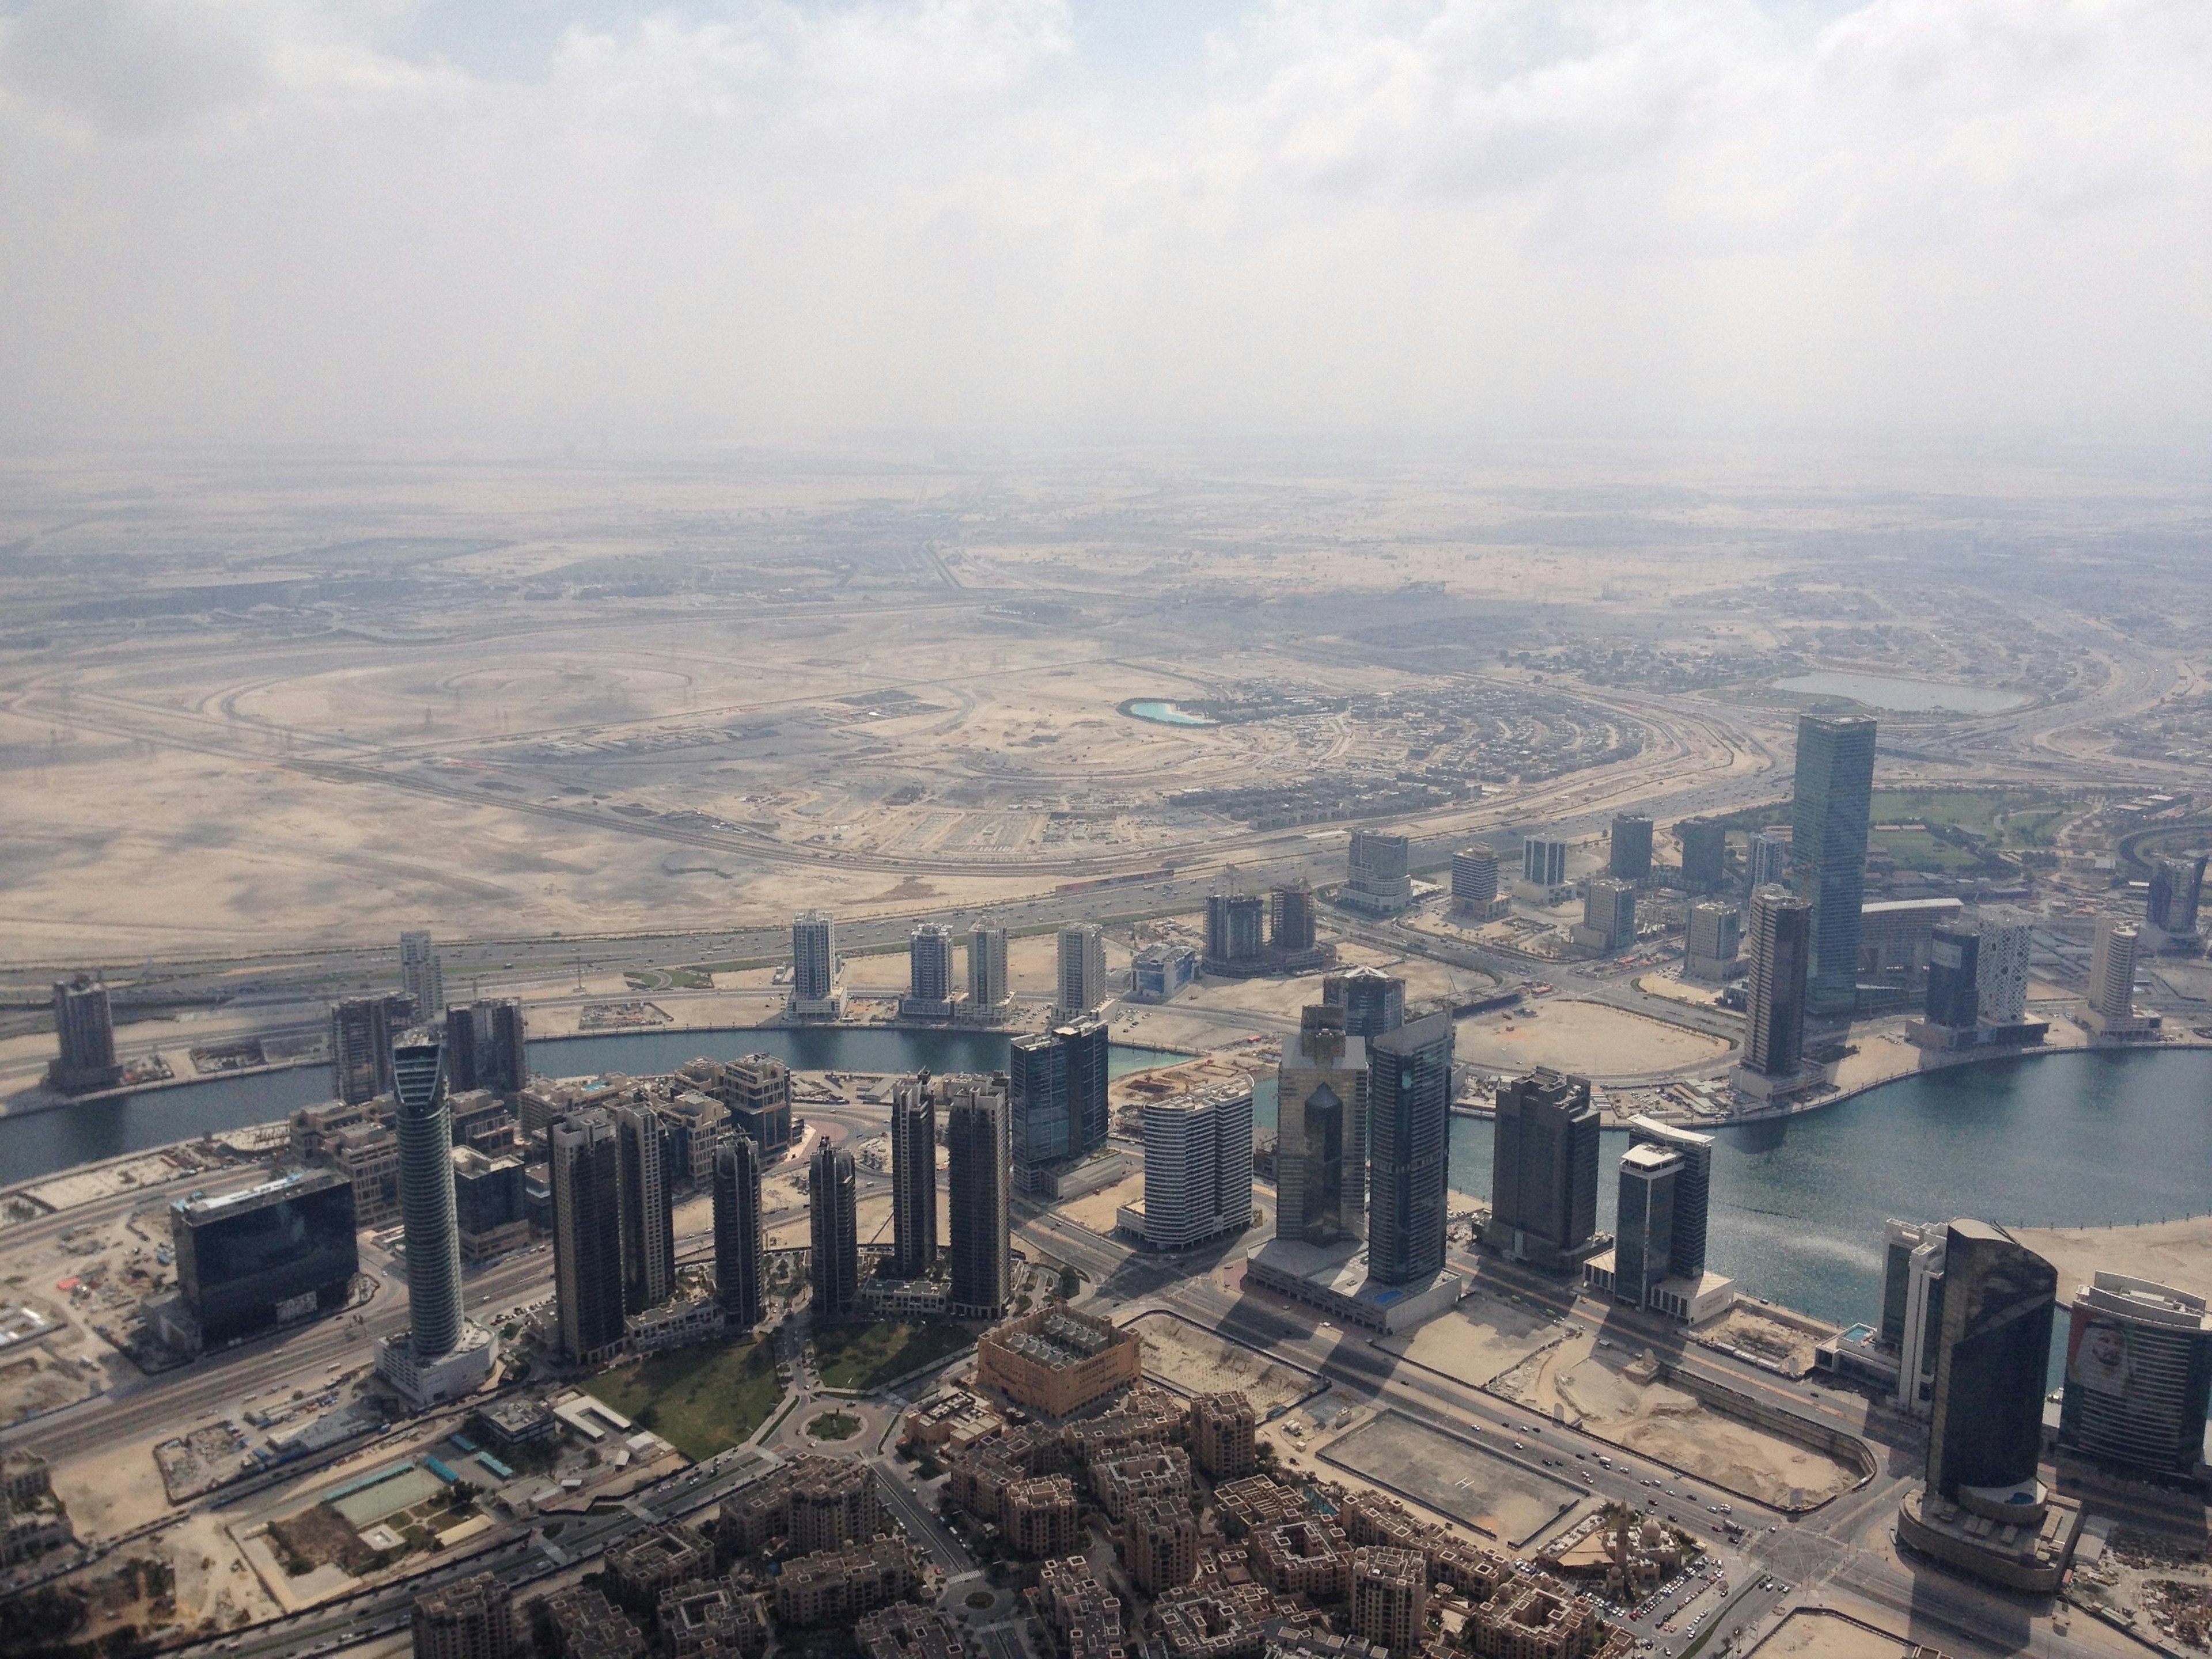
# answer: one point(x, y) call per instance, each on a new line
point(2074, 1140)
point(1904, 696)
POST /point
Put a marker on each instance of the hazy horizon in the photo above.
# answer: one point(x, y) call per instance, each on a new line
point(597, 225)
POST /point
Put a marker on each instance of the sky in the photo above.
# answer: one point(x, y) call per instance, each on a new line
point(552, 220)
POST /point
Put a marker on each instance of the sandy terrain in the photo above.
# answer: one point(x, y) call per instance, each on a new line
point(1807, 1634)
point(2175, 1253)
point(1584, 1037)
point(1486, 1336)
point(1096, 1210)
point(1585, 1385)
point(1197, 1362)
point(1510, 1501)
point(1669, 984)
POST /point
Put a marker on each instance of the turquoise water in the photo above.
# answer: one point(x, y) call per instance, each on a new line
point(1167, 713)
point(41, 1143)
point(1903, 696)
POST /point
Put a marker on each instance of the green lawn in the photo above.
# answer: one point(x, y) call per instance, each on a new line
point(864, 1357)
point(834, 1426)
point(701, 1401)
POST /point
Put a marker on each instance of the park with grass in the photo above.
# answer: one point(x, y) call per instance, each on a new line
point(859, 1357)
point(702, 1400)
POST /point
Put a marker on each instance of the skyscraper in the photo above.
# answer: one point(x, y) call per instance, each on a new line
point(1643, 1227)
point(1608, 916)
point(1409, 1121)
point(2113, 974)
point(914, 1178)
point(1036, 1082)
point(1828, 847)
point(979, 1215)
point(1774, 1017)
point(1715, 940)
point(929, 963)
point(1376, 876)
point(1234, 924)
point(1082, 969)
point(1658, 1257)
point(756, 1090)
point(84, 1027)
point(1993, 1352)
point(2138, 1378)
point(1766, 858)
point(1544, 861)
point(2001, 968)
point(1629, 859)
point(1953, 956)
point(1198, 1168)
point(739, 1282)
point(1090, 1114)
point(1374, 1002)
point(1544, 1165)
point(834, 1224)
point(585, 1175)
point(363, 1032)
point(1290, 917)
point(1705, 853)
point(1320, 1132)
point(1693, 1190)
point(815, 991)
point(987, 967)
point(648, 1226)
point(423, 977)
point(1474, 877)
point(485, 1045)
point(426, 1198)
point(2177, 886)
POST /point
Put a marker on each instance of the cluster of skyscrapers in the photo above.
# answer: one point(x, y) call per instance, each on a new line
point(1248, 934)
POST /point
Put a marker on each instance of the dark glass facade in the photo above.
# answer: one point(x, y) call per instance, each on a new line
point(1374, 1002)
point(249, 1262)
point(914, 1178)
point(834, 1224)
point(1953, 997)
point(1992, 1358)
point(738, 1279)
point(1036, 1079)
point(1409, 1105)
point(1828, 847)
point(1544, 1159)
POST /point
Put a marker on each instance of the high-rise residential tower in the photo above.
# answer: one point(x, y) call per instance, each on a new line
point(929, 970)
point(1630, 858)
point(2112, 979)
point(1714, 941)
point(1089, 1113)
point(914, 1178)
point(2138, 1378)
point(1376, 876)
point(980, 1211)
point(1834, 805)
point(423, 977)
point(986, 968)
point(1774, 999)
point(84, 1027)
point(2001, 968)
point(834, 1224)
point(1544, 1171)
point(740, 1284)
point(1658, 1258)
point(1705, 853)
point(1409, 1123)
point(1374, 1002)
point(2177, 887)
point(1320, 1132)
point(1235, 929)
point(1041, 1121)
point(1290, 918)
point(585, 1175)
point(1693, 1190)
point(1198, 1168)
point(361, 1033)
point(486, 1046)
point(815, 990)
point(648, 1227)
point(1608, 916)
point(1082, 985)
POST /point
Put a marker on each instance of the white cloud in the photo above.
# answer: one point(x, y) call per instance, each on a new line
point(281, 219)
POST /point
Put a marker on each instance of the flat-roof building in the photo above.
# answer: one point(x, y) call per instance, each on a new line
point(1056, 1360)
point(248, 1262)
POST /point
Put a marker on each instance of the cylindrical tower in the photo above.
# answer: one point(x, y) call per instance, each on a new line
point(426, 1197)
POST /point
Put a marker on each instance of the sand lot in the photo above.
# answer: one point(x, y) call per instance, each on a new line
point(1586, 1385)
point(1586, 1037)
point(1196, 1361)
point(2175, 1253)
point(1486, 1336)
point(1812, 1635)
point(1509, 1502)
point(1096, 1210)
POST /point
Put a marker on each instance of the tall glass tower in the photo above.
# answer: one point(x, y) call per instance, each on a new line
point(426, 1197)
point(1409, 1117)
point(1828, 848)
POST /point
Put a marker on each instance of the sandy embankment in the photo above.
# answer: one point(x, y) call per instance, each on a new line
point(2174, 1252)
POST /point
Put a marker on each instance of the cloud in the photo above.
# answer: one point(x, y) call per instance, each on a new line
point(291, 219)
